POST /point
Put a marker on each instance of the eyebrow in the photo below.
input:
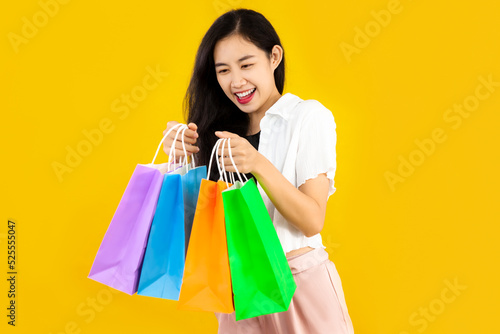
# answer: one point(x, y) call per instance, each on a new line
point(240, 60)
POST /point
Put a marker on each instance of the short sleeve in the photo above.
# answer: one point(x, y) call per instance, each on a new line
point(316, 152)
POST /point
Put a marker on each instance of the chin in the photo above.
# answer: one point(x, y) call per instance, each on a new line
point(249, 107)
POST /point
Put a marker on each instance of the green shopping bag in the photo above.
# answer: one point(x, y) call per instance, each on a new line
point(261, 277)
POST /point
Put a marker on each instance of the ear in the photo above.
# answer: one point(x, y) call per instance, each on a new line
point(276, 56)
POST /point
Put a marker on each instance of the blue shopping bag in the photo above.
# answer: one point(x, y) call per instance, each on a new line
point(163, 265)
point(191, 183)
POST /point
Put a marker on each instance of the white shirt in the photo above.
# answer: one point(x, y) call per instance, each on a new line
point(298, 137)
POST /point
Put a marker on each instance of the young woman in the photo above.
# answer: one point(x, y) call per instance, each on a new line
point(287, 144)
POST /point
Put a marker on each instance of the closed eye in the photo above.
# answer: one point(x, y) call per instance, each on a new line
point(246, 66)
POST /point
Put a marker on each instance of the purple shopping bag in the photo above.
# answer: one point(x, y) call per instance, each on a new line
point(119, 259)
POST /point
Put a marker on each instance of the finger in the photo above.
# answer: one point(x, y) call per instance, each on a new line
point(229, 164)
point(187, 140)
point(171, 124)
point(225, 153)
point(172, 133)
point(230, 169)
point(188, 134)
point(193, 126)
point(166, 144)
point(234, 148)
point(178, 147)
point(227, 161)
point(189, 147)
point(178, 152)
point(235, 153)
point(226, 134)
point(191, 134)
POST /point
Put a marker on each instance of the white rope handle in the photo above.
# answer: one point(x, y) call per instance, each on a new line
point(232, 161)
point(163, 139)
point(214, 153)
point(211, 159)
point(219, 166)
point(193, 163)
point(232, 178)
point(172, 149)
point(225, 177)
point(184, 147)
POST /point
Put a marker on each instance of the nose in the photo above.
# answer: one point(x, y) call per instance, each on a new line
point(237, 80)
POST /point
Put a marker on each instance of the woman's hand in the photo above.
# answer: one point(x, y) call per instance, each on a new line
point(245, 156)
point(190, 137)
point(309, 200)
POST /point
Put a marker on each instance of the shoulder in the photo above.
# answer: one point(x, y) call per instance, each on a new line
point(299, 112)
point(309, 111)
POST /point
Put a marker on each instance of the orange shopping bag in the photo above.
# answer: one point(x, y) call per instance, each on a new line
point(206, 285)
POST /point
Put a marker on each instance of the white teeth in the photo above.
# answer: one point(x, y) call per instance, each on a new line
point(245, 93)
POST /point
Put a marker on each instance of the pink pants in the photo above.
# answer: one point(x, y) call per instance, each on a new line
point(317, 307)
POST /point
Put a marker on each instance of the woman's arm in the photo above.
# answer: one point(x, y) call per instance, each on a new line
point(304, 207)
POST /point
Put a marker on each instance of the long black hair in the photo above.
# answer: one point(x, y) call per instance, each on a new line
point(205, 102)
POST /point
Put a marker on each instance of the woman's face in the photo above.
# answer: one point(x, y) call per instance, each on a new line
point(242, 67)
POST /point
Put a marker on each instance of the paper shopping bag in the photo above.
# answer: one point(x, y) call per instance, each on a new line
point(119, 258)
point(261, 277)
point(206, 284)
point(163, 265)
point(190, 187)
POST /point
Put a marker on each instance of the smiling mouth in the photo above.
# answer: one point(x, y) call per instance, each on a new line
point(245, 94)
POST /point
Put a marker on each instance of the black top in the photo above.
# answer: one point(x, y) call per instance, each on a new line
point(254, 140)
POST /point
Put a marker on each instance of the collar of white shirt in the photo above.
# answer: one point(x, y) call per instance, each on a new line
point(284, 103)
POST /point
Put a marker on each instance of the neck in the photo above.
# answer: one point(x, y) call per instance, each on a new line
point(254, 125)
point(256, 116)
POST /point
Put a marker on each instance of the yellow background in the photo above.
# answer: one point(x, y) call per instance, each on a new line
point(396, 249)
